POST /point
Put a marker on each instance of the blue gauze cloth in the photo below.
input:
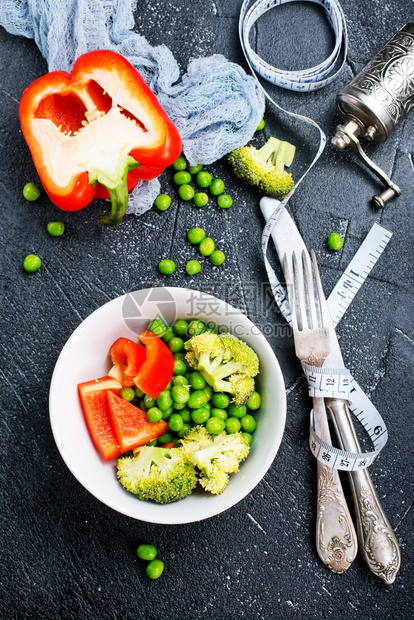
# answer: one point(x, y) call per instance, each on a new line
point(216, 106)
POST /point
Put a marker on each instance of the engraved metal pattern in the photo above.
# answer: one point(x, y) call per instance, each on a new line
point(338, 551)
point(381, 550)
point(389, 77)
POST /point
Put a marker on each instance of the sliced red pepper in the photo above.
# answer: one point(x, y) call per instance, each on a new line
point(99, 127)
point(95, 408)
point(130, 423)
point(127, 358)
point(157, 370)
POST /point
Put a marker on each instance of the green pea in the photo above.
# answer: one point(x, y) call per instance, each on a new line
point(157, 327)
point(164, 400)
point(203, 178)
point(208, 391)
point(168, 334)
point(261, 125)
point(217, 257)
point(186, 192)
point(142, 405)
point(224, 201)
point(168, 386)
point(248, 437)
point(206, 246)
point(215, 426)
point(176, 442)
point(56, 229)
point(195, 235)
point(175, 344)
point(32, 263)
point(31, 192)
point(180, 163)
point(207, 405)
point(180, 394)
point(166, 437)
point(127, 393)
point(178, 406)
point(237, 411)
point(197, 381)
point(200, 199)
point(248, 423)
point(162, 202)
point(147, 552)
point(254, 401)
point(197, 399)
point(180, 380)
point(175, 422)
point(200, 416)
point(217, 187)
point(219, 413)
point(152, 443)
point(186, 414)
point(139, 393)
point(154, 414)
point(186, 427)
point(166, 414)
point(167, 267)
point(182, 177)
point(220, 400)
point(180, 355)
point(196, 328)
point(192, 267)
point(195, 169)
point(180, 327)
point(180, 367)
point(335, 241)
point(232, 425)
point(149, 401)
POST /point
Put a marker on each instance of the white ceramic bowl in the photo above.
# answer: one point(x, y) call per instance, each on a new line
point(85, 357)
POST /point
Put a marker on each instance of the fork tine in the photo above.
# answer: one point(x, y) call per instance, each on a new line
point(299, 291)
point(289, 287)
point(321, 297)
point(311, 296)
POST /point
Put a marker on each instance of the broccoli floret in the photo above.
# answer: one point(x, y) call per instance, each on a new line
point(216, 456)
point(159, 474)
point(265, 167)
point(227, 363)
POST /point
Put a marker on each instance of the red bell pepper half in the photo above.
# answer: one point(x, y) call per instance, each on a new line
point(127, 358)
point(95, 132)
point(95, 408)
point(130, 423)
point(157, 370)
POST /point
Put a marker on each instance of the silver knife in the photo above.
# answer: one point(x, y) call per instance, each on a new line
point(377, 541)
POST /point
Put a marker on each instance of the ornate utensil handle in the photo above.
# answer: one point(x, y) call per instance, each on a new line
point(377, 541)
point(336, 539)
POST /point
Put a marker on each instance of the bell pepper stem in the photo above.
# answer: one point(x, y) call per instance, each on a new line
point(117, 188)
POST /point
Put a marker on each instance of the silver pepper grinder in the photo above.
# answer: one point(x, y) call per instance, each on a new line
point(377, 101)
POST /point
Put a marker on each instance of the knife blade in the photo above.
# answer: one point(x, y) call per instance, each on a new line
point(377, 541)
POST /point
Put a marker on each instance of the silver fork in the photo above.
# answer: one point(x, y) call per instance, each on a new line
point(336, 539)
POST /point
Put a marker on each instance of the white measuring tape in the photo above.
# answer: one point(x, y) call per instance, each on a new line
point(323, 382)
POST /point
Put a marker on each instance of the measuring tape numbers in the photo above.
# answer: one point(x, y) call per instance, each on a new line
point(339, 383)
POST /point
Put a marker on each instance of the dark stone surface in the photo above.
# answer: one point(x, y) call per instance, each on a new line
point(67, 556)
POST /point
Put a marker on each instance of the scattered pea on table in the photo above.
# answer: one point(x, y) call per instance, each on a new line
point(217, 257)
point(261, 125)
point(182, 177)
point(203, 178)
point(167, 267)
point(162, 202)
point(180, 163)
point(195, 169)
point(200, 199)
point(147, 552)
point(217, 187)
point(185, 191)
point(56, 229)
point(224, 201)
point(206, 246)
point(193, 267)
point(155, 569)
point(196, 235)
point(335, 241)
point(31, 192)
point(32, 263)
